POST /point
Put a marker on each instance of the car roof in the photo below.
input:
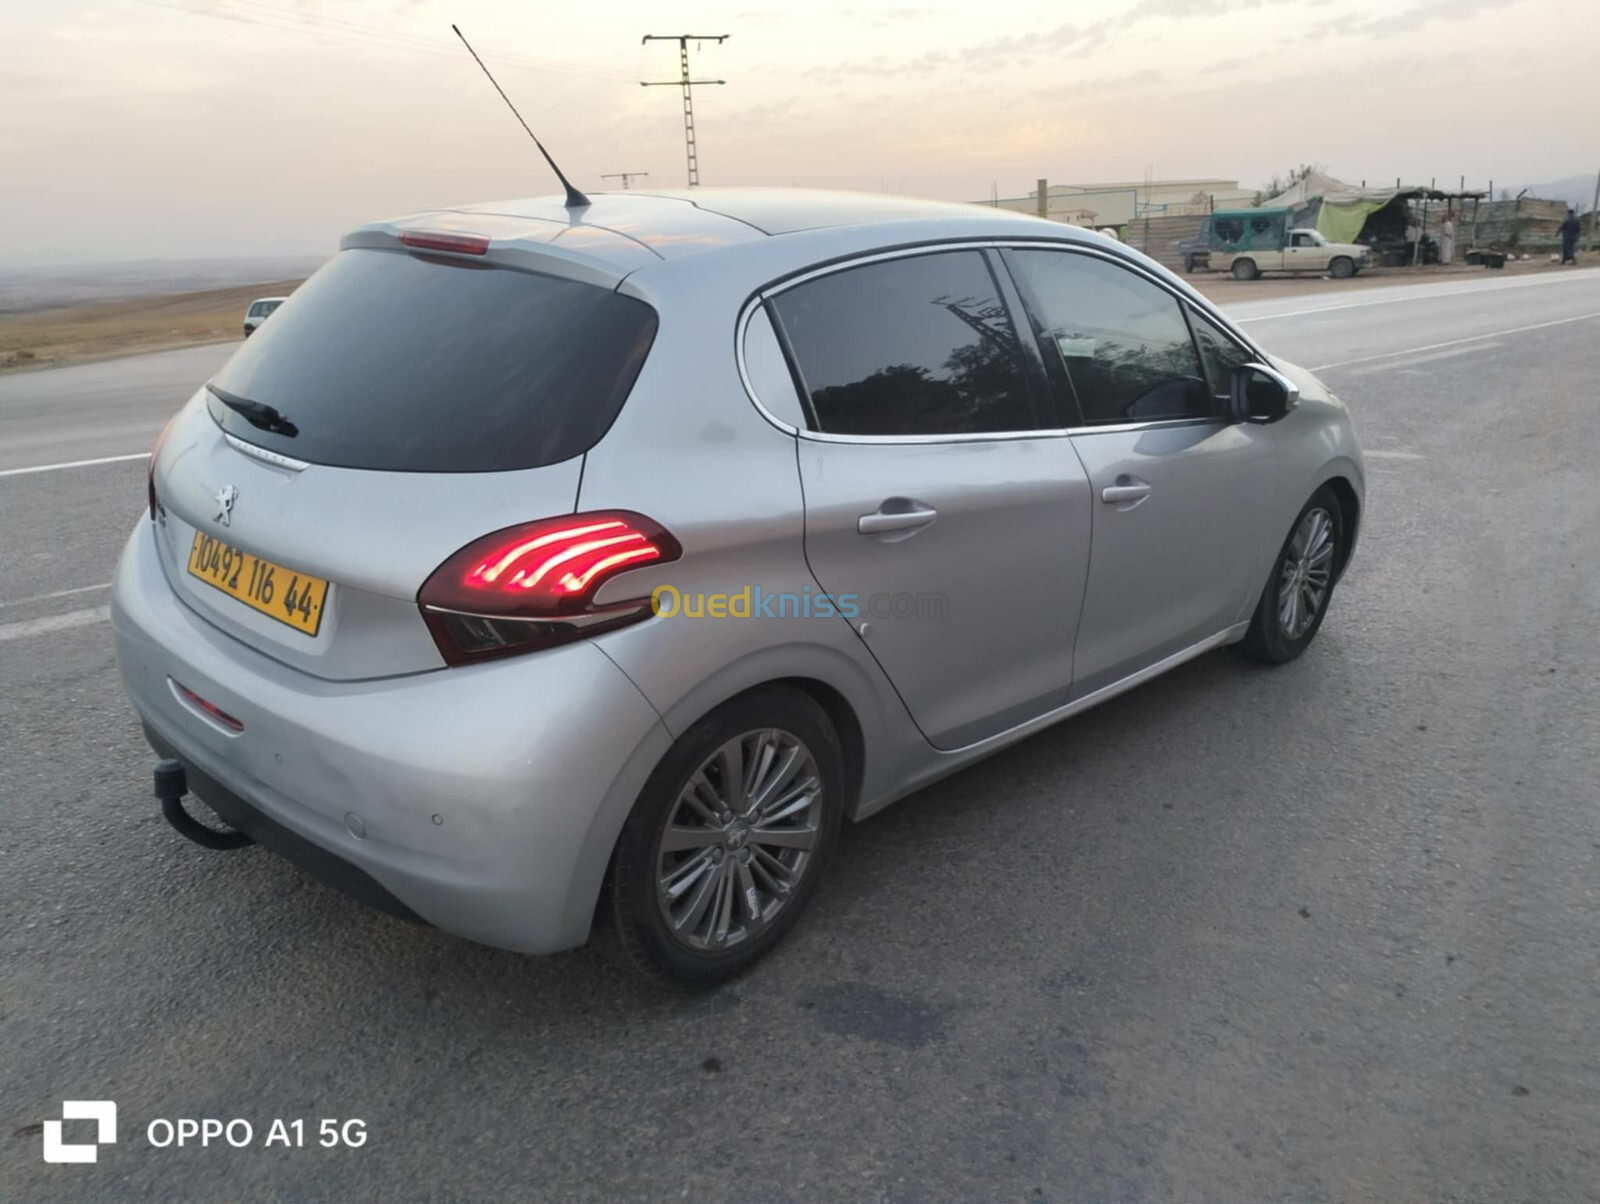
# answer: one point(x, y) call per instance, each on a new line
point(259, 300)
point(620, 232)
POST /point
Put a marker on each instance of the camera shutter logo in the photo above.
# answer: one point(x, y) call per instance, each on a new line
point(102, 1111)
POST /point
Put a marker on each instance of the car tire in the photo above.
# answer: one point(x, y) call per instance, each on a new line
point(1342, 268)
point(1312, 552)
point(738, 895)
point(1245, 269)
point(1188, 264)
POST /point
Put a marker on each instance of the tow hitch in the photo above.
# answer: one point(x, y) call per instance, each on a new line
point(171, 784)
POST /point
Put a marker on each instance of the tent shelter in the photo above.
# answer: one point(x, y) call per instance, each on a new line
point(1345, 213)
point(1341, 209)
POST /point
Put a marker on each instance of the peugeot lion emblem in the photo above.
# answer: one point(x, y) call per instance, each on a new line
point(225, 499)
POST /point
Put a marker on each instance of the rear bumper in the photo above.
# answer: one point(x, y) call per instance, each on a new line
point(487, 798)
point(292, 847)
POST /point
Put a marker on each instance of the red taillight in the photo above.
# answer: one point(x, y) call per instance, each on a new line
point(443, 240)
point(150, 477)
point(534, 585)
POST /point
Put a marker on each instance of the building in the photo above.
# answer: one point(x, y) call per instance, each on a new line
point(1118, 203)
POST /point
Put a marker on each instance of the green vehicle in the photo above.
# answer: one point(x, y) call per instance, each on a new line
point(1247, 242)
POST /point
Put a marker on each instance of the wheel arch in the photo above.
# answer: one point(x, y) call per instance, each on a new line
point(1349, 514)
point(841, 712)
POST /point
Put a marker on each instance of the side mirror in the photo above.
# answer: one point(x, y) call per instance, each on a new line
point(1261, 394)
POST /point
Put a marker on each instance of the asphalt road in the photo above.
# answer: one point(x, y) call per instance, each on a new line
point(1322, 933)
point(110, 408)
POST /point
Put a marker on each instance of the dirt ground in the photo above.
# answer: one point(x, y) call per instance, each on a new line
point(52, 338)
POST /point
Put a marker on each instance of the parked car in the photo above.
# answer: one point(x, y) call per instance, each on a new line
point(1248, 242)
point(1196, 252)
point(259, 311)
point(538, 570)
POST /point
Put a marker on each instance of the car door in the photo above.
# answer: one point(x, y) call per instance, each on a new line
point(1303, 253)
point(1178, 519)
point(947, 515)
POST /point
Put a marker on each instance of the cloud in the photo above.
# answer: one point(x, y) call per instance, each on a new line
point(1409, 20)
point(1102, 86)
point(1069, 39)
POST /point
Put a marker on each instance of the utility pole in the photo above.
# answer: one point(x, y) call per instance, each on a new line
point(1594, 216)
point(626, 176)
point(687, 84)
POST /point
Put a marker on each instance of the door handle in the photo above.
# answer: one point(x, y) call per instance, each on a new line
point(883, 522)
point(1127, 489)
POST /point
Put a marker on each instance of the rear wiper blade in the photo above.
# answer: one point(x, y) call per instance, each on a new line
point(257, 413)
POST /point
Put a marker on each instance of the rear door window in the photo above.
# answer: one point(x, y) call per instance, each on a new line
point(917, 346)
point(392, 361)
point(1121, 341)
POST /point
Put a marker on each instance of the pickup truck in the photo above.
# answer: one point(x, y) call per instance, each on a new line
point(1247, 242)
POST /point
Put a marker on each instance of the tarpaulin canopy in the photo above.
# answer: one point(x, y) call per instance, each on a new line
point(1343, 208)
point(1234, 230)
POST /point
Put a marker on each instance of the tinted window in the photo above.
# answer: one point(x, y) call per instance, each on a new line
point(1122, 341)
point(393, 361)
point(1220, 353)
point(917, 346)
point(257, 310)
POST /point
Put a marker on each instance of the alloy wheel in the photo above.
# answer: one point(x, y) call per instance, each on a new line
point(1307, 573)
point(739, 839)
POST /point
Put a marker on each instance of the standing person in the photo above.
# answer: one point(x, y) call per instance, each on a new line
point(1447, 238)
point(1569, 238)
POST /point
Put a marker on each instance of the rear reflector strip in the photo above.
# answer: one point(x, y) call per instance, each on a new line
point(442, 240)
point(209, 710)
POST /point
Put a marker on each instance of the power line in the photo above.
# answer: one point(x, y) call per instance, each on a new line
point(626, 177)
point(688, 85)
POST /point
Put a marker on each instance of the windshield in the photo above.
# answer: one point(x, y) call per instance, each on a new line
point(388, 360)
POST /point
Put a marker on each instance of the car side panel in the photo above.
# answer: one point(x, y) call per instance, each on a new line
point(734, 501)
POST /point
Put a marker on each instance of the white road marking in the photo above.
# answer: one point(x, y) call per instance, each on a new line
point(18, 472)
point(1476, 338)
point(1369, 454)
point(60, 593)
point(1428, 295)
point(73, 618)
point(1411, 362)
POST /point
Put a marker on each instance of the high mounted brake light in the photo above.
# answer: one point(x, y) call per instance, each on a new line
point(443, 240)
point(533, 586)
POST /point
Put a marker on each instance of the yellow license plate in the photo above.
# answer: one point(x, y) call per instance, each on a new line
point(291, 598)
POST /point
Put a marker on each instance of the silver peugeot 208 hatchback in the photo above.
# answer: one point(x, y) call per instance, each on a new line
point(541, 569)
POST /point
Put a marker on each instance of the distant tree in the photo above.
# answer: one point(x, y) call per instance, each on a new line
point(1282, 181)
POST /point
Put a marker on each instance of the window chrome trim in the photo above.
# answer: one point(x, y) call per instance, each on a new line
point(741, 332)
point(1068, 246)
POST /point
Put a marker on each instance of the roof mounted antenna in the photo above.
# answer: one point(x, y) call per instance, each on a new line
point(575, 199)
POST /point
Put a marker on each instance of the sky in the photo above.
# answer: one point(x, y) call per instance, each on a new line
point(135, 129)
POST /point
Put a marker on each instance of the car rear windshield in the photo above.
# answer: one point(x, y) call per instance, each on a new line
point(387, 360)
